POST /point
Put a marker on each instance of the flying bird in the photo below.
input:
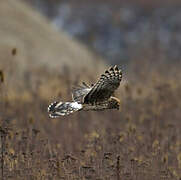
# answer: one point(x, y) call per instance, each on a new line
point(97, 97)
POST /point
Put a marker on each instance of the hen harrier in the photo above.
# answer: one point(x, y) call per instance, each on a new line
point(96, 97)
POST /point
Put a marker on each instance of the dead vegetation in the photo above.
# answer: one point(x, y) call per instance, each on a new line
point(142, 141)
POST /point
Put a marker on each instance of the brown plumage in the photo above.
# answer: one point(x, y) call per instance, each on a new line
point(95, 97)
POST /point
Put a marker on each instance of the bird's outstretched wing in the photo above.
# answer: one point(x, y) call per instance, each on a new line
point(79, 92)
point(105, 87)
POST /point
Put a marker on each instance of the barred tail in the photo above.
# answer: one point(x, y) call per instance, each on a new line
point(57, 109)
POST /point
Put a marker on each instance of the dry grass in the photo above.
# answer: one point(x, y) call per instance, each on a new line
point(142, 141)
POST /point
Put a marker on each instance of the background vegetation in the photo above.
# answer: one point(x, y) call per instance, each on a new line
point(141, 141)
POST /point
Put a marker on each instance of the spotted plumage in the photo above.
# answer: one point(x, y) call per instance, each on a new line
point(98, 96)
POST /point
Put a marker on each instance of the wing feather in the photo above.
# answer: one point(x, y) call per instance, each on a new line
point(79, 92)
point(105, 87)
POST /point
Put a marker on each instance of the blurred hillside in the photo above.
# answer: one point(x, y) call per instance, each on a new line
point(37, 46)
point(39, 65)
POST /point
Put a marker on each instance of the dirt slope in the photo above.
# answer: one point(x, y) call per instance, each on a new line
point(30, 43)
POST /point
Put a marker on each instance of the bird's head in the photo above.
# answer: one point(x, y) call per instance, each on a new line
point(114, 103)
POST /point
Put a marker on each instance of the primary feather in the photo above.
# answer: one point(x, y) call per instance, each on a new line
point(105, 87)
point(79, 92)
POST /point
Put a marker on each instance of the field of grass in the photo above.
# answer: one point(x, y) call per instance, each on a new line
point(142, 141)
point(38, 65)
